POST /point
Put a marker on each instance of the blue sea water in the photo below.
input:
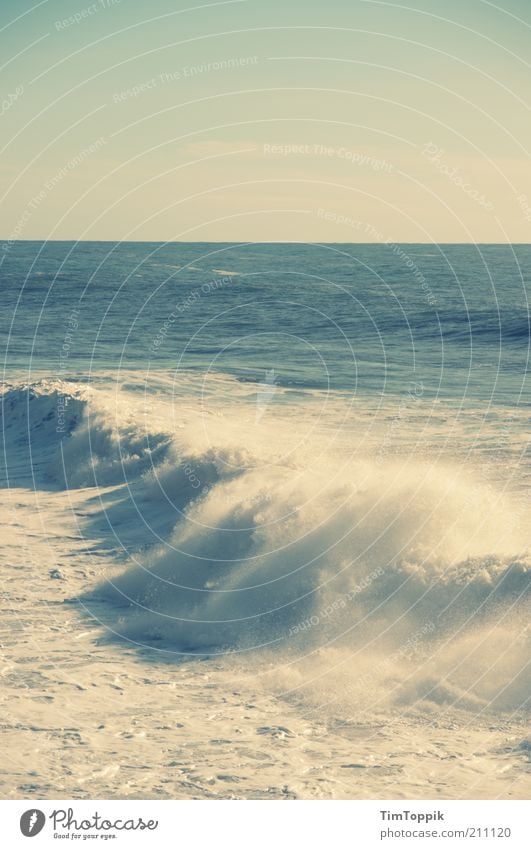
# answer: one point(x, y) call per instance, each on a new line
point(288, 446)
point(365, 319)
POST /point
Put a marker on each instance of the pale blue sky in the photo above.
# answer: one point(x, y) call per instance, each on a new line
point(337, 121)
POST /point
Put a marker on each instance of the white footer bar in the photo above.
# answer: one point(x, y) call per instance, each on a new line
point(266, 824)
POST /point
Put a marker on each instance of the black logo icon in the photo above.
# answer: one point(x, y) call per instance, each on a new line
point(32, 822)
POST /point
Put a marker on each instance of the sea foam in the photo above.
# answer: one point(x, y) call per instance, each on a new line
point(310, 551)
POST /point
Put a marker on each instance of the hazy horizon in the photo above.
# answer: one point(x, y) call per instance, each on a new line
point(259, 242)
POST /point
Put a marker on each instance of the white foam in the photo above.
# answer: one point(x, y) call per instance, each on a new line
point(271, 536)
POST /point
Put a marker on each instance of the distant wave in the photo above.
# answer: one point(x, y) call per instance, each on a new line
point(225, 272)
point(480, 326)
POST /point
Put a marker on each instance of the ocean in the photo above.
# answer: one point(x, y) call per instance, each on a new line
point(266, 514)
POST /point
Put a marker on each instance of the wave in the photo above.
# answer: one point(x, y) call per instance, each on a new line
point(68, 436)
point(226, 273)
point(257, 557)
point(282, 544)
point(487, 326)
point(410, 567)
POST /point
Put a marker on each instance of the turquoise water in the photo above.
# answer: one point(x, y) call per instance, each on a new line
point(365, 319)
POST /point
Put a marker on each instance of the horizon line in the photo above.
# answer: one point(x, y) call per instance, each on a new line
point(251, 242)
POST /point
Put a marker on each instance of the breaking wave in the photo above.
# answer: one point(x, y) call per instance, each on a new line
point(234, 546)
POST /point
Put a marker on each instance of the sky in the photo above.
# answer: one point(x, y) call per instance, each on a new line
point(261, 120)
